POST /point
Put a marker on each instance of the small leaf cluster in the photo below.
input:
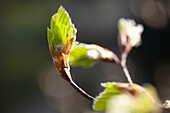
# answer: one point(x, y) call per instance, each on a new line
point(62, 33)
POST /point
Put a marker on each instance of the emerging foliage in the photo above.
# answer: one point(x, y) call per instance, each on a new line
point(129, 34)
point(87, 54)
point(78, 56)
point(100, 103)
point(127, 98)
point(61, 39)
point(62, 33)
point(138, 103)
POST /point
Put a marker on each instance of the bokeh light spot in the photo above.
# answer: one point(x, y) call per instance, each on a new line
point(154, 14)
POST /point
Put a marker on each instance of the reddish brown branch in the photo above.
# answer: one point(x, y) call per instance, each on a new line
point(65, 73)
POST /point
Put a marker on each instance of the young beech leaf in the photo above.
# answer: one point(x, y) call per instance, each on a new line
point(87, 54)
point(62, 33)
point(127, 98)
point(101, 101)
point(61, 39)
point(78, 56)
point(138, 103)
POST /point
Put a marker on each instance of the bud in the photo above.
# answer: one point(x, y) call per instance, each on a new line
point(129, 34)
point(100, 53)
point(61, 39)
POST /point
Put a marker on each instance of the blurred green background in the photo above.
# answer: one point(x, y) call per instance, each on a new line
point(28, 80)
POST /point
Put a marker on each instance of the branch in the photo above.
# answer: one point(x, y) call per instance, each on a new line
point(124, 67)
point(65, 73)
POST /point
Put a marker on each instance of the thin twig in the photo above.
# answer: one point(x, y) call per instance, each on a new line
point(81, 91)
point(124, 67)
point(64, 71)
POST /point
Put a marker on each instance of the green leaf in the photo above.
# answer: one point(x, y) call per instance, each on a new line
point(78, 56)
point(115, 100)
point(100, 103)
point(139, 103)
point(62, 29)
point(50, 37)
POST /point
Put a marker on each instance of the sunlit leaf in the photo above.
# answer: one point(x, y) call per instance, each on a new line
point(111, 90)
point(127, 98)
point(78, 57)
point(138, 103)
point(87, 54)
point(62, 33)
point(61, 38)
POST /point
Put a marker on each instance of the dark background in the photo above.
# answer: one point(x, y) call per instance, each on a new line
point(29, 82)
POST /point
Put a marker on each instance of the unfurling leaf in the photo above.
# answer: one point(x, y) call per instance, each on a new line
point(61, 39)
point(100, 103)
point(112, 89)
point(78, 56)
point(138, 103)
point(63, 32)
point(127, 98)
point(87, 54)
